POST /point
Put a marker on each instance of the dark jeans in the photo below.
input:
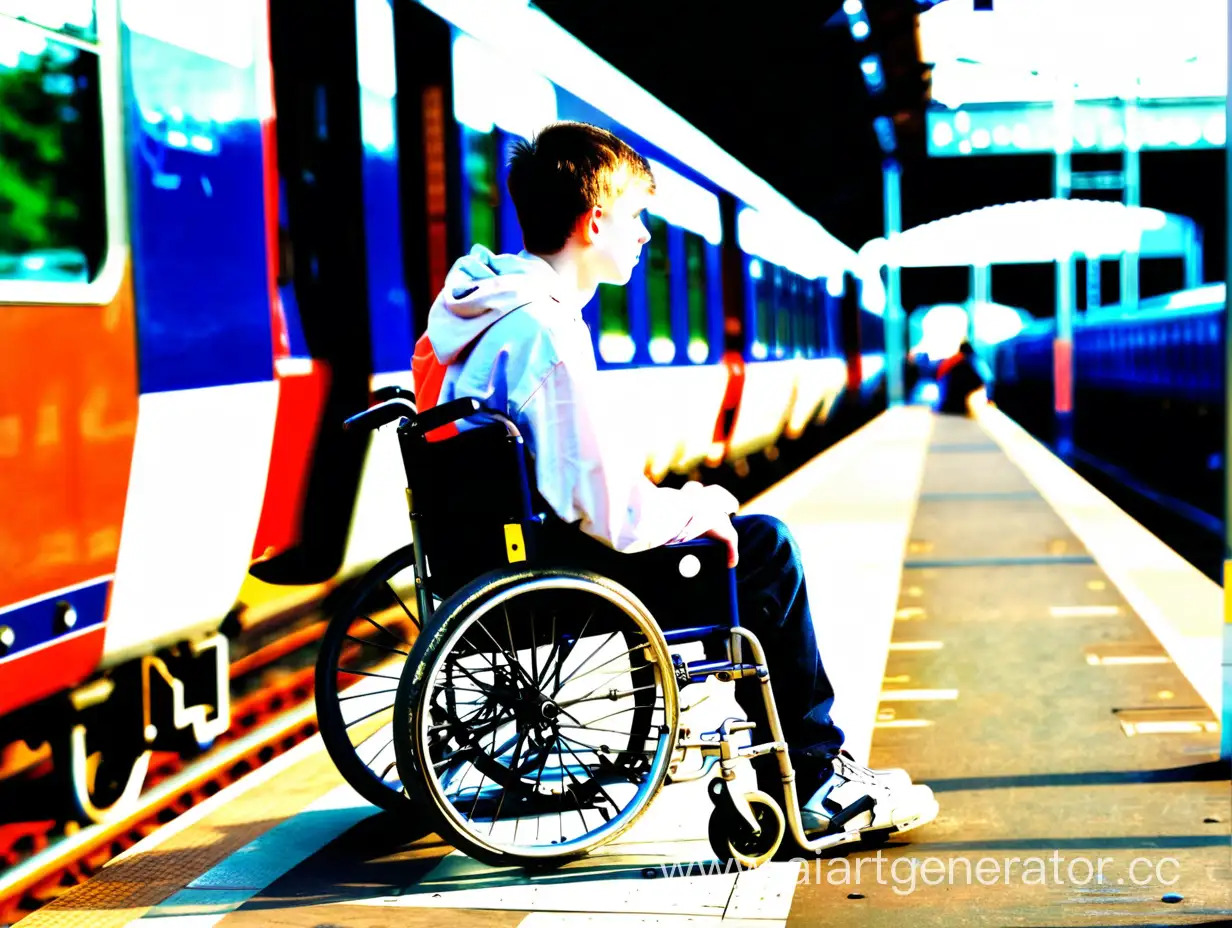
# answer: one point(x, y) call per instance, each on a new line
point(774, 606)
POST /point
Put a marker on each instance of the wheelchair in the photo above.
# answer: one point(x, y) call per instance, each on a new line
point(528, 705)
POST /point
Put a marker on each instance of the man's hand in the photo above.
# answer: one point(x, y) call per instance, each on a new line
point(714, 495)
point(725, 532)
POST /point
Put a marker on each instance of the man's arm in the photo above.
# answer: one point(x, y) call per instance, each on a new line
point(585, 476)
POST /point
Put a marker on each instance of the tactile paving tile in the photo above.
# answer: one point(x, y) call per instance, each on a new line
point(129, 887)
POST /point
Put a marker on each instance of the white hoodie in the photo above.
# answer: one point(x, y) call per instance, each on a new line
point(511, 337)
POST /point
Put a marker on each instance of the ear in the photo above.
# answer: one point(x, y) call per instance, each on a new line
point(588, 225)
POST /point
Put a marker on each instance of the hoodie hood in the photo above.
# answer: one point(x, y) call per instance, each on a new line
point(480, 289)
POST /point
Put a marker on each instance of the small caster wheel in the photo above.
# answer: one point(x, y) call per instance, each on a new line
point(732, 839)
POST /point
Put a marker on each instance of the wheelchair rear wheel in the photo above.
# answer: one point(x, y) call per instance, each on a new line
point(536, 716)
point(357, 673)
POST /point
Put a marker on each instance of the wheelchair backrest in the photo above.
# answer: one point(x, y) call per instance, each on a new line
point(471, 496)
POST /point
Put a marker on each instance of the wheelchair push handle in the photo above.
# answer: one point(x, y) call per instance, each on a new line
point(381, 414)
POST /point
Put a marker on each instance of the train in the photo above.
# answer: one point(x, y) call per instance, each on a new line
point(226, 220)
point(1149, 400)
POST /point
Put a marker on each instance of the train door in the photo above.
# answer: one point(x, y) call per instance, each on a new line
point(320, 161)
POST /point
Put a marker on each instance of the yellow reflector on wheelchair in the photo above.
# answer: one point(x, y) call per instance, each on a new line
point(515, 546)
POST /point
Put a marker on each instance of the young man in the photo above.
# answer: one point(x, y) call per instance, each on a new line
point(508, 329)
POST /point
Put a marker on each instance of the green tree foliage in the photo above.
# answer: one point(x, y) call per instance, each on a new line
point(42, 136)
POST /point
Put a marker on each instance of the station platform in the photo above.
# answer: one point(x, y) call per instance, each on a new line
point(990, 622)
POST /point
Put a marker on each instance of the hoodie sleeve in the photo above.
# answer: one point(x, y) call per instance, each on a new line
point(584, 475)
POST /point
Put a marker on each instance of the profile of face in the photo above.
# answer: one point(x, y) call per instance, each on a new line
point(616, 235)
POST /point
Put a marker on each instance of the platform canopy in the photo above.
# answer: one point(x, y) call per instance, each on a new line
point(996, 75)
point(1102, 49)
point(1035, 232)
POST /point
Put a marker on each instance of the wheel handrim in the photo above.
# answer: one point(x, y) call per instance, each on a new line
point(551, 749)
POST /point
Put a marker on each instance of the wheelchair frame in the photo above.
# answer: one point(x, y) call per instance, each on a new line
point(748, 827)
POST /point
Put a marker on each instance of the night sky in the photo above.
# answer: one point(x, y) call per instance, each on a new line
point(776, 87)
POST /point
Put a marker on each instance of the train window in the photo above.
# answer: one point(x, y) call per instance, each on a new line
point(483, 193)
point(615, 342)
point(73, 18)
point(659, 293)
point(764, 341)
point(808, 317)
point(796, 339)
point(782, 313)
point(53, 216)
point(695, 261)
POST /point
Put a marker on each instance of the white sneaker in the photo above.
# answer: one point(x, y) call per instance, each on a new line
point(894, 776)
point(856, 800)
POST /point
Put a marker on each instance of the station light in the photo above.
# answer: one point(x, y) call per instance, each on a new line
point(853, 7)
point(859, 29)
point(870, 65)
point(884, 129)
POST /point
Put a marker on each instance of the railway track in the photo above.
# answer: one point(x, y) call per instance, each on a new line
point(46, 857)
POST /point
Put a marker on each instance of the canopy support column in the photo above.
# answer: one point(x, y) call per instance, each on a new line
point(980, 293)
point(1133, 197)
point(1225, 743)
point(891, 175)
point(1063, 340)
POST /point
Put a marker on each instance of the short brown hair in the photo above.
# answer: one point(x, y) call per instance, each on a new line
point(567, 168)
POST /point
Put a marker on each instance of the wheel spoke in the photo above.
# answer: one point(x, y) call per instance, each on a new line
point(614, 657)
point(367, 673)
point(514, 663)
point(534, 648)
point(369, 763)
point(414, 620)
point(369, 693)
point(589, 658)
point(379, 627)
point(517, 748)
point(492, 689)
point(613, 695)
point(610, 731)
point(375, 644)
point(593, 777)
point(364, 718)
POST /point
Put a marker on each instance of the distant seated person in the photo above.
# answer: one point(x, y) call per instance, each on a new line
point(958, 377)
point(508, 330)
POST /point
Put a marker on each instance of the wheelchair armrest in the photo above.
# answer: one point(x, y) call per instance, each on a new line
point(702, 543)
point(455, 410)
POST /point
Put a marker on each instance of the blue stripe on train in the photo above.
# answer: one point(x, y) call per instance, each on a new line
point(39, 622)
point(198, 218)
